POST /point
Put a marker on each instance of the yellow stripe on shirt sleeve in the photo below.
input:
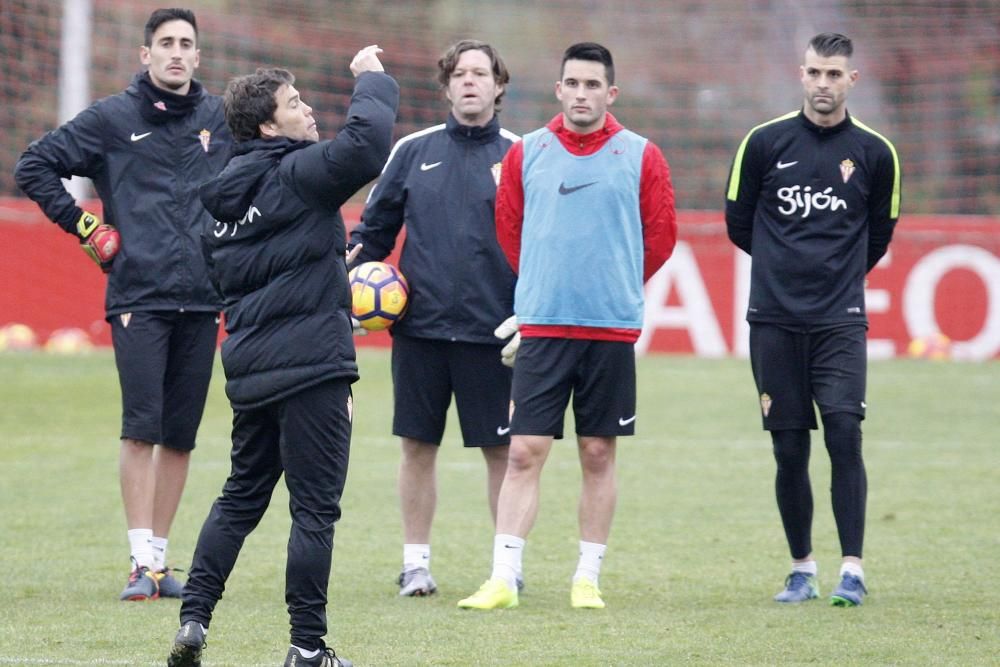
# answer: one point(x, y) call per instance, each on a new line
point(734, 178)
point(894, 207)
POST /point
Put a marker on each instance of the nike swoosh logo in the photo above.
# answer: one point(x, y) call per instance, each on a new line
point(503, 431)
point(786, 165)
point(563, 190)
point(626, 422)
point(140, 137)
point(510, 546)
point(427, 167)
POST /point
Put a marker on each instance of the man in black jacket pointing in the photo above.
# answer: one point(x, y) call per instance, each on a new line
point(277, 256)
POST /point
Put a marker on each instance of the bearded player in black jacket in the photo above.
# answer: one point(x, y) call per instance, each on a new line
point(277, 256)
point(147, 149)
point(814, 197)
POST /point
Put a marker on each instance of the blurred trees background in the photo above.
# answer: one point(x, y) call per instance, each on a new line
point(694, 76)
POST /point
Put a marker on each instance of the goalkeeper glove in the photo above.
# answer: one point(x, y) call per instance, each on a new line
point(509, 351)
point(100, 241)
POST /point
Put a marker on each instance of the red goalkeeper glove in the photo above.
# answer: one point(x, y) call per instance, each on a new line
point(100, 241)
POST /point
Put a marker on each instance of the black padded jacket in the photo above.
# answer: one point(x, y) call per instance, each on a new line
point(276, 250)
point(146, 168)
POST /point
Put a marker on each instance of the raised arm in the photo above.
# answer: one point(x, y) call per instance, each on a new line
point(330, 172)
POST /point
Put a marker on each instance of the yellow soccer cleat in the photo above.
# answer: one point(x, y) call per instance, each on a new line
point(585, 595)
point(493, 594)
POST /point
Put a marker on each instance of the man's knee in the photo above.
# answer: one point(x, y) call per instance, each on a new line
point(842, 434)
point(791, 448)
point(496, 457)
point(527, 453)
point(597, 454)
point(418, 454)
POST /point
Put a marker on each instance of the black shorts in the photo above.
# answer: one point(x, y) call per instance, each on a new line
point(795, 366)
point(599, 374)
point(164, 363)
point(425, 374)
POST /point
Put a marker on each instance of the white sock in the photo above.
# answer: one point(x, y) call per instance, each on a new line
point(416, 555)
point(159, 545)
point(204, 630)
point(809, 567)
point(507, 553)
point(589, 565)
point(853, 569)
point(306, 654)
point(139, 543)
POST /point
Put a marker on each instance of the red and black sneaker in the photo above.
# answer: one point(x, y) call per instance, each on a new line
point(142, 584)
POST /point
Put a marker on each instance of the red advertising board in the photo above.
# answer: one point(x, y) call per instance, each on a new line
point(942, 274)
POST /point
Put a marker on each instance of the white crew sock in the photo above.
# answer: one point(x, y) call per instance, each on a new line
point(853, 569)
point(159, 545)
point(306, 654)
point(416, 555)
point(589, 565)
point(507, 553)
point(139, 543)
point(809, 567)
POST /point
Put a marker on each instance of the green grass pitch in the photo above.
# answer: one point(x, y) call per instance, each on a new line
point(696, 551)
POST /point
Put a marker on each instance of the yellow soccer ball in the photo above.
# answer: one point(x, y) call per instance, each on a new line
point(379, 294)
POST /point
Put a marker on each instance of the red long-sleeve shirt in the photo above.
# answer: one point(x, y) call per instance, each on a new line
point(656, 208)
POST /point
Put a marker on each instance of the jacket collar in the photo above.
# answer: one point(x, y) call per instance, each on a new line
point(477, 133)
point(228, 195)
point(584, 144)
point(822, 130)
point(158, 106)
point(277, 146)
point(558, 127)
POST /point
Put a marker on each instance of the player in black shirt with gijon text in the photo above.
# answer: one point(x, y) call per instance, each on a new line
point(813, 197)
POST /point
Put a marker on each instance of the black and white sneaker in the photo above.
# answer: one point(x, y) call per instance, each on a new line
point(188, 644)
point(325, 658)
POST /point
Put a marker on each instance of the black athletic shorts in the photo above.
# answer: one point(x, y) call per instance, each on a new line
point(794, 366)
point(600, 376)
point(425, 374)
point(164, 363)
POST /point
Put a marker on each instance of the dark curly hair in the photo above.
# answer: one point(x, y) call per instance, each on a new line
point(250, 100)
